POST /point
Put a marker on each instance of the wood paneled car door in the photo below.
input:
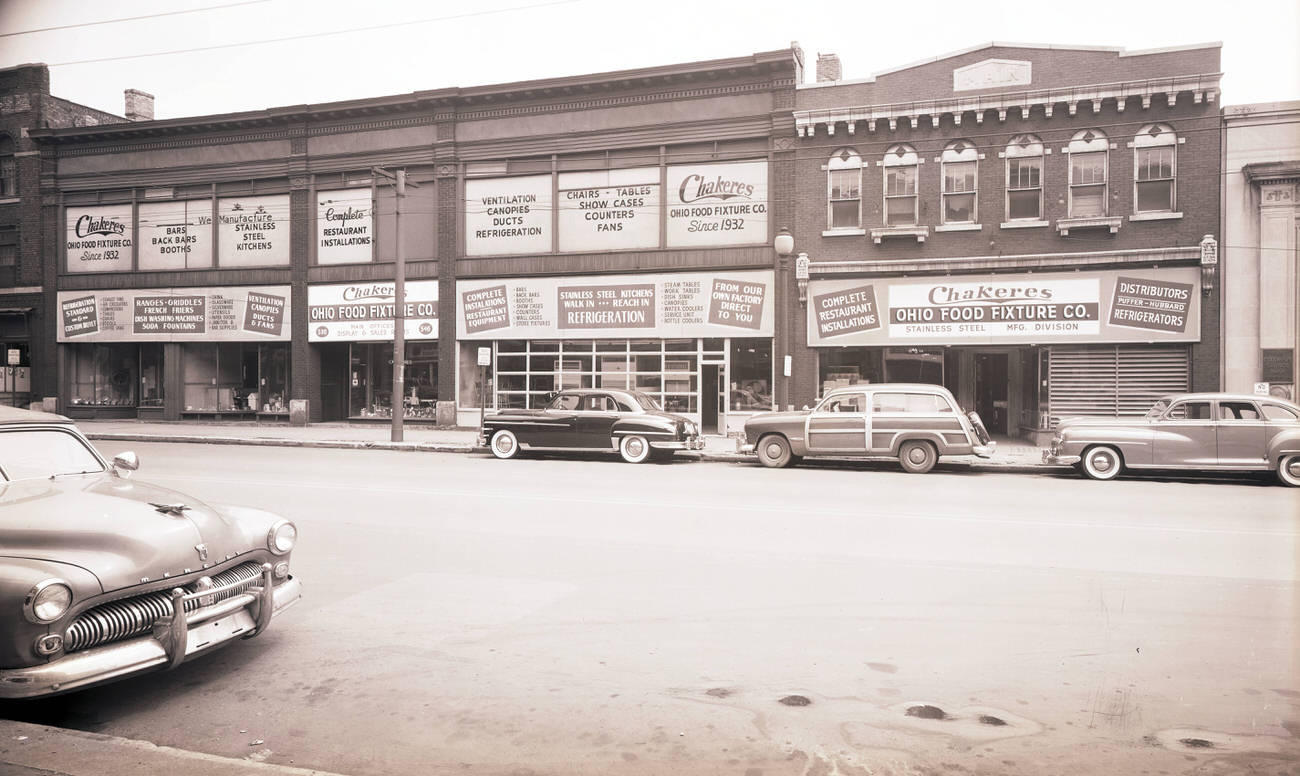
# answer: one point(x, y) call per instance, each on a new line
point(839, 425)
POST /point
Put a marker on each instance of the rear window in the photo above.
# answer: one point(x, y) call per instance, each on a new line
point(919, 403)
point(1278, 412)
point(1237, 410)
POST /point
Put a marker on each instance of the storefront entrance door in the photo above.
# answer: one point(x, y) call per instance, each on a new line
point(712, 408)
point(991, 384)
point(334, 379)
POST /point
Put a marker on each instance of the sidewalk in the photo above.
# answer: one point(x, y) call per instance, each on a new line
point(1012, 454)
point(39, 750)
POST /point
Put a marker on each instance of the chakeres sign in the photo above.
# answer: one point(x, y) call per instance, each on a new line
point(363, 312)
point(1138, 305)
point(688, 304)
point(226, 314)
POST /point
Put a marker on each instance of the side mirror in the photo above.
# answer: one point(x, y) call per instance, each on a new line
point(125, 463)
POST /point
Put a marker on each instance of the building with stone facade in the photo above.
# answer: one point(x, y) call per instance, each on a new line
point(1035, 227)
point(609, 230)
point(25, 327)
point(1261, 249)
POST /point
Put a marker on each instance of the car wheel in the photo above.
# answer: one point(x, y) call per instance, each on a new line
point(774, 451)
point(504, 444)
point(1288, 470)
point(634, 448)
point(1102, 463)
point(917, 456)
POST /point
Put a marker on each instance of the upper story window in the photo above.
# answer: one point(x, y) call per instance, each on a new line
point(844, 190)
point(8, 168)
point(900, 164)
point(1025, 178)
point(1088, 156)
point(960, 162)
point(1154, 160)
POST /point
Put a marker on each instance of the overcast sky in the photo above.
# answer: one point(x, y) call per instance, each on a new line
point(347, 49)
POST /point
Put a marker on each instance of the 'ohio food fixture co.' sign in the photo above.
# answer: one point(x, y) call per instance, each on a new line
point(1144, 305)
point(688, 304)
point(227, 314)
point(98, 239)
point(359, 312)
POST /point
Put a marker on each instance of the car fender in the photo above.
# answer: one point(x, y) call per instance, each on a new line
point(17, 577)
point(793, 429)
point(1283, 443)
point(934, 438)
point(644, 426)
point(1135, 443)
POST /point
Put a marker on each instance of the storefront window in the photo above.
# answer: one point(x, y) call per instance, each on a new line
point(274, 380)
point(230, 377)
point(372, 380)
point(751, 375)
point(105, 375)
point(848, 366)
point(914, 365)
point(151, 374)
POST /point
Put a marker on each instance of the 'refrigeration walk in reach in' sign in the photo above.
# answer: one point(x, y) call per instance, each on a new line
point(228, 314)
point(688, 304)
point(1140, 305)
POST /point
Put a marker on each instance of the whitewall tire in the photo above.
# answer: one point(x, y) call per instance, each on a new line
point(634, 448)
point(1102, 462)
point(1288, 470)
point(504, 445)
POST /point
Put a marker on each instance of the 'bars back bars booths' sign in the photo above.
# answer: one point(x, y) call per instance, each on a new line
point(1139, 305)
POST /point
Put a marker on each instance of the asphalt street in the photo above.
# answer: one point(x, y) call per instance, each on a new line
point(558, 616)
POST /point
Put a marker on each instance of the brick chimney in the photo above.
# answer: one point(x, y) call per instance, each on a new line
point(828, 67)
point(139, 105)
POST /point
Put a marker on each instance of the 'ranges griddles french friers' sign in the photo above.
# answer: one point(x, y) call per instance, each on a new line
point(688, 304)
point(99, 238)
point(363, 312)
point(227, 314)
point(1138, 305)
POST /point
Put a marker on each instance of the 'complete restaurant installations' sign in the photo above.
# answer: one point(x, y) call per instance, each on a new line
point(1139, 305)
point(360, 312)
point(344, 226)
point(98, 238)
point(688, 304)
point(226, 314)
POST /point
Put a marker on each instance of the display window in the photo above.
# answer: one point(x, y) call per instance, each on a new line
point(235, 377)
point(371, 370)
point(105, 374)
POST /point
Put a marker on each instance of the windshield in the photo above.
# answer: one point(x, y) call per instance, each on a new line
point(46, 452)
point(647, 402)
point(1158, 408)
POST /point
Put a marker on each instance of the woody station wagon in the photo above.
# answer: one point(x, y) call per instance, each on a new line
point(914, 423)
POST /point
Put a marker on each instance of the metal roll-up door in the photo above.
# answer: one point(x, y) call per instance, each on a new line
point(1113, 381)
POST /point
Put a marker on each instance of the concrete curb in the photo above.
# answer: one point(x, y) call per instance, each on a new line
point(460, 447)
point(40, 750)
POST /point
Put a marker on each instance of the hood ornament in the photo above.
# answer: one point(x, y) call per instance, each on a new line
point(203, 551)
point(177, 510)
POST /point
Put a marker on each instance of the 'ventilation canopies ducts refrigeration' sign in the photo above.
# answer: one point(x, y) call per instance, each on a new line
point(1138, 305)
point(226, 314)
point(363, 312)
point(689, 304)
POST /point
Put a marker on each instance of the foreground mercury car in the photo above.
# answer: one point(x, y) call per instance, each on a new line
point(602, 420)
point(1197, 431)
point(913, 423)
point(94, 568)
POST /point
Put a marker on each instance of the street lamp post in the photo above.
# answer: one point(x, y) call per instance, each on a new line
point(783, 244)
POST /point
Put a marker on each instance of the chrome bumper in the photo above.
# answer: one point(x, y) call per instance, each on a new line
point(1056, 459)
point(744, 448)
point(174, 640)
point(694, 443)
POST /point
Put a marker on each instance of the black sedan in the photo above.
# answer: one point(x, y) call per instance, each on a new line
point(602, 420)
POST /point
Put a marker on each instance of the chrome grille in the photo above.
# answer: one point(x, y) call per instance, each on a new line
point(129, 617)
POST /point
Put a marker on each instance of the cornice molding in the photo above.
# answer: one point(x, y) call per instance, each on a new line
point(1040, 261)
point(1204, 88)
point(1272, 172)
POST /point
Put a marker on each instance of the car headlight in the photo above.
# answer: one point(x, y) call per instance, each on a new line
point(282, 537)
point(47, 601)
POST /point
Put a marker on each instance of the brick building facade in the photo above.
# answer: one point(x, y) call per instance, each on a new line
point(1024, 224)
point(605, 230)
point(26, 104)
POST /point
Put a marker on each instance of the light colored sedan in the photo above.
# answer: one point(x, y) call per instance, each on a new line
point(1197, 431)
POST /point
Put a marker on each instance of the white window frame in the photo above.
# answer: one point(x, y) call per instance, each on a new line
point(843, 160)
point(900, 156)
point(1097, 144)
point(1150, 137)
point(960, 152)
point(1032, 149)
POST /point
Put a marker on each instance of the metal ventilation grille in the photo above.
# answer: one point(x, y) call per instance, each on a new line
point(1117, 381)
point(129, 617)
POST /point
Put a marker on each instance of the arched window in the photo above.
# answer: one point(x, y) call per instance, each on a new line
point(844, 190)
point(1025, 178)
point(1088, 156)
point(900, 165)
point(1154, 158)
point(8, 168)
point(960, 163)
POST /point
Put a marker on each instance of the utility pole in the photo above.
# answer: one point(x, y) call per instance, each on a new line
point(399, 301)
